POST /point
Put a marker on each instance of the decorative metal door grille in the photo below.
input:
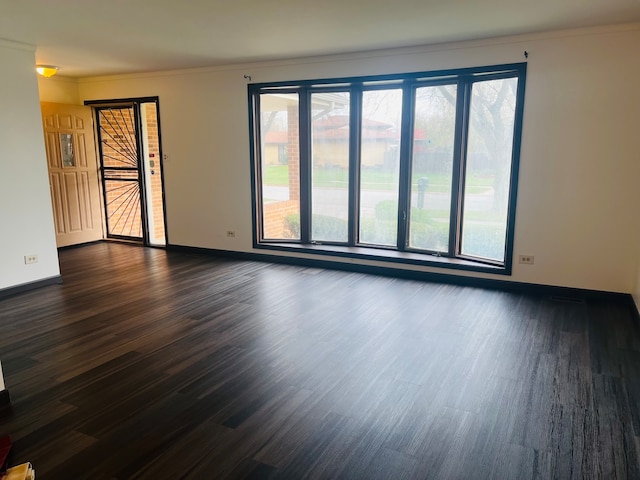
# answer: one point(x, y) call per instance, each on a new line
point(120, 165)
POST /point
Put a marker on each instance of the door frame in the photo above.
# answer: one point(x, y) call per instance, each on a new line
point(134, 102)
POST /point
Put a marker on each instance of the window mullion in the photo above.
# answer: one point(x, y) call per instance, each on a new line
point(406, 140)
point(257, 170)
point(515, 167)
point(355, 129)
point(304, 144)
point(459, 157)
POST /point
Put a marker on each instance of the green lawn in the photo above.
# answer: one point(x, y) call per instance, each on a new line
point(371, 179)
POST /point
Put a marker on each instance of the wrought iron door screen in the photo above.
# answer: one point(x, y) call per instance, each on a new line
point(121, 176)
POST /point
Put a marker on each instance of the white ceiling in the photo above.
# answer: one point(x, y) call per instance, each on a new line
point(91, 37)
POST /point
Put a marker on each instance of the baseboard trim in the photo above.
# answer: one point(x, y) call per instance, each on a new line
point(634, 309)
point(5, 399)
point(531, 288)
point(80, 245)
point(25, 287)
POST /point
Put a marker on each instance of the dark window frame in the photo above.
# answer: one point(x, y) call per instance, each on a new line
point(409, 82)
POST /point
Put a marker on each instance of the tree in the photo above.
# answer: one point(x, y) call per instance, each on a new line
point(491, 126)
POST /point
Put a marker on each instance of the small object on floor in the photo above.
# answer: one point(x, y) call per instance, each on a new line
point(5, 447)
point(20, 472)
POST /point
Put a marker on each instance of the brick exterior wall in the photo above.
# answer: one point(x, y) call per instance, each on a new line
point(153, 143)
point(293, 151)
point(274, 213)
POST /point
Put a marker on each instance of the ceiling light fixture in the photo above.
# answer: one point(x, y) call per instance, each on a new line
point(47, 70)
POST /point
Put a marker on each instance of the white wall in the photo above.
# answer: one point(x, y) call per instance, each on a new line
point(579, 162)
point(26, 219)
point(59, 89)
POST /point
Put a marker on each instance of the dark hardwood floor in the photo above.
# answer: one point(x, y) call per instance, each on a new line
point(154, 365)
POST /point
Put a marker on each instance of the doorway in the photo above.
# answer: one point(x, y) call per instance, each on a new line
point(130, 163)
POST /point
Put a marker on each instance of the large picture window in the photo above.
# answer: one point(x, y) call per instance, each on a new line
point(424, 165)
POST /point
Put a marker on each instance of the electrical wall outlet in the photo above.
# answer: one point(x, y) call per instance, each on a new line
point(30, 259)
point(231, 233)
point(526, 259)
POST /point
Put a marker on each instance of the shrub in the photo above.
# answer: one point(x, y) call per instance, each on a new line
point(324, 227)
point(426, 232)
point(292, 226)
point(387, 210)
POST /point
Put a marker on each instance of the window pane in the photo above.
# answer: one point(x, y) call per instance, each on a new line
point(280, 166)
point(432, 167)
point(488, 168)
point(380, 166)
point(66, 149)
point(330, 167)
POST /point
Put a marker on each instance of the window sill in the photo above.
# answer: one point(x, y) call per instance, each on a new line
point(393, 256)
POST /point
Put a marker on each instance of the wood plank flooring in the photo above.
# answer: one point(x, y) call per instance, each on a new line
point(146, 364)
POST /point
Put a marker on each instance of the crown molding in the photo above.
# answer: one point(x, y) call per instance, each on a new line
point(26, 47)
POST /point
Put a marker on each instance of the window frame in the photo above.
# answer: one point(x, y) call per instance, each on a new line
point(464, 79)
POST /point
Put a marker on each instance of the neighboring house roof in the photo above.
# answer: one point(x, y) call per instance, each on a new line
point(336, 127)
point(276, 137)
